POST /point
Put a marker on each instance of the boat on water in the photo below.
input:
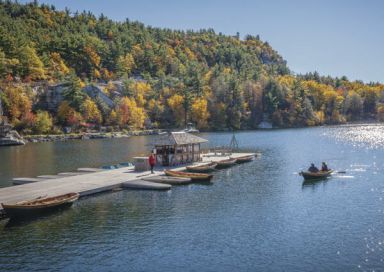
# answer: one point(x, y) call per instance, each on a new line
point(315, 175)
point(206, 168)
point(168, 180)
point(39, 205)
point(226, 163)
point(193, 176)
point(245, 159)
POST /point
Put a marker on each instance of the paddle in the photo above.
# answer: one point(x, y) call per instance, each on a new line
point(339, 172)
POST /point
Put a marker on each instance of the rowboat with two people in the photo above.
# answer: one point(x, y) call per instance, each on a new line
point(193, 176)
point(315, 175)
point(40, 205)
point(206, 168)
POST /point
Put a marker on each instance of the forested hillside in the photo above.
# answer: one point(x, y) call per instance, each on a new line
point(159, 77)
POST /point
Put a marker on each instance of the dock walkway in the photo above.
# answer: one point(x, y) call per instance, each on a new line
point(89, 182)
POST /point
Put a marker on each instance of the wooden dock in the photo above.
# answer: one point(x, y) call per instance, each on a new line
point(91, 181)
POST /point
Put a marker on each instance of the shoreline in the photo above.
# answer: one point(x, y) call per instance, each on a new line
point(122, 134)
point(87, 136)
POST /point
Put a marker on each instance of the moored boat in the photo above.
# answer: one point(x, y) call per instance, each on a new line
point(316, 175)
point(193, 176)
point(206, 168)
point(39, 205)
point(168, 180)
point(245, 159)
point(226, 163)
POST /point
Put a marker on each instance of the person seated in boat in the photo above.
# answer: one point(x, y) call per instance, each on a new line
point(313, 168)
point(324, 167)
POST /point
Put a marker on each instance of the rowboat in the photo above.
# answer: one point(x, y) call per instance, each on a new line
point(193, 176)
point(316, 175)
point(168, 180)
point(225, 163)
point(202, 168)
point(245, 159)
point(39, 205)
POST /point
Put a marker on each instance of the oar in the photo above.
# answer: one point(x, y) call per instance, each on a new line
point(340, 172)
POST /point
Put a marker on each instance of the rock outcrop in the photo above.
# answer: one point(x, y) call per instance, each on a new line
point(7, 135)
point(53, 96)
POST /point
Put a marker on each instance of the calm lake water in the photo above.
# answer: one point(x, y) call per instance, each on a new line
point(257, 216)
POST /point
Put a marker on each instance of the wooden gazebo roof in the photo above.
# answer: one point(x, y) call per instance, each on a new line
point(178, 138)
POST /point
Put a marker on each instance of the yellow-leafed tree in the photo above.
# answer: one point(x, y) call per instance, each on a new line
point(125, 64)
point(90, 111)
point(199, 113)
point(30, 64)
point(57, 68)
point(43, 122)
point(175, 103)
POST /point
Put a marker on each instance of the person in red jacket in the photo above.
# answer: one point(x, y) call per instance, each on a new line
point(152, 161)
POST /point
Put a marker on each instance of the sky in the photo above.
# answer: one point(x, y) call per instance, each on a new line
point(336, 38)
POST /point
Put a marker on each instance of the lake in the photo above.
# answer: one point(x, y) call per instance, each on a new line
point(257, 216)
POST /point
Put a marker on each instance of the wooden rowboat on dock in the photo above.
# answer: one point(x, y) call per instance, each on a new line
point(206, 168)
point(193, 176)
point(226, 163)
point(245, 159)
point(315, 175)
point(39, 205)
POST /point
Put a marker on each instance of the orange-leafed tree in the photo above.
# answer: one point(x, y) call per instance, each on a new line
point(123, 113)
point(16, 103)
point(67, 115)
point(130, 114)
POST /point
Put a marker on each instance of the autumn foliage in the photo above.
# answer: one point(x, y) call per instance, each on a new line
point(159, 78)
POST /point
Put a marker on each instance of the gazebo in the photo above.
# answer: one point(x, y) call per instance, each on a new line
point(178, 148)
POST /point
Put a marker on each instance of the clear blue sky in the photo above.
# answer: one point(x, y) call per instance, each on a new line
point(336, 38)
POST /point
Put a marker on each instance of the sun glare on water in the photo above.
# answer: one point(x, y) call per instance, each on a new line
point(366, 136)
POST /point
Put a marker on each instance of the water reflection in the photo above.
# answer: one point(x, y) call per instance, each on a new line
point(36, 159)
point(255, 216)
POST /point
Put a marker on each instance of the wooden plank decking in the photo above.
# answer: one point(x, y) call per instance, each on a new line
point(90, 181)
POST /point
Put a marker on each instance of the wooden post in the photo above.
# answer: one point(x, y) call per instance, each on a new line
point(193, 152)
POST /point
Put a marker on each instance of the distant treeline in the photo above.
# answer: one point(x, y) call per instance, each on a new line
point(169, 77)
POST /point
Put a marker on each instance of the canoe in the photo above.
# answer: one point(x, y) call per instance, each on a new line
point(225, 163)
point(145, 185)
point(316, 175)
point(202, 168)
point(39, 205)
point(245, 159)
point(193, 176)
point(168, 180)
